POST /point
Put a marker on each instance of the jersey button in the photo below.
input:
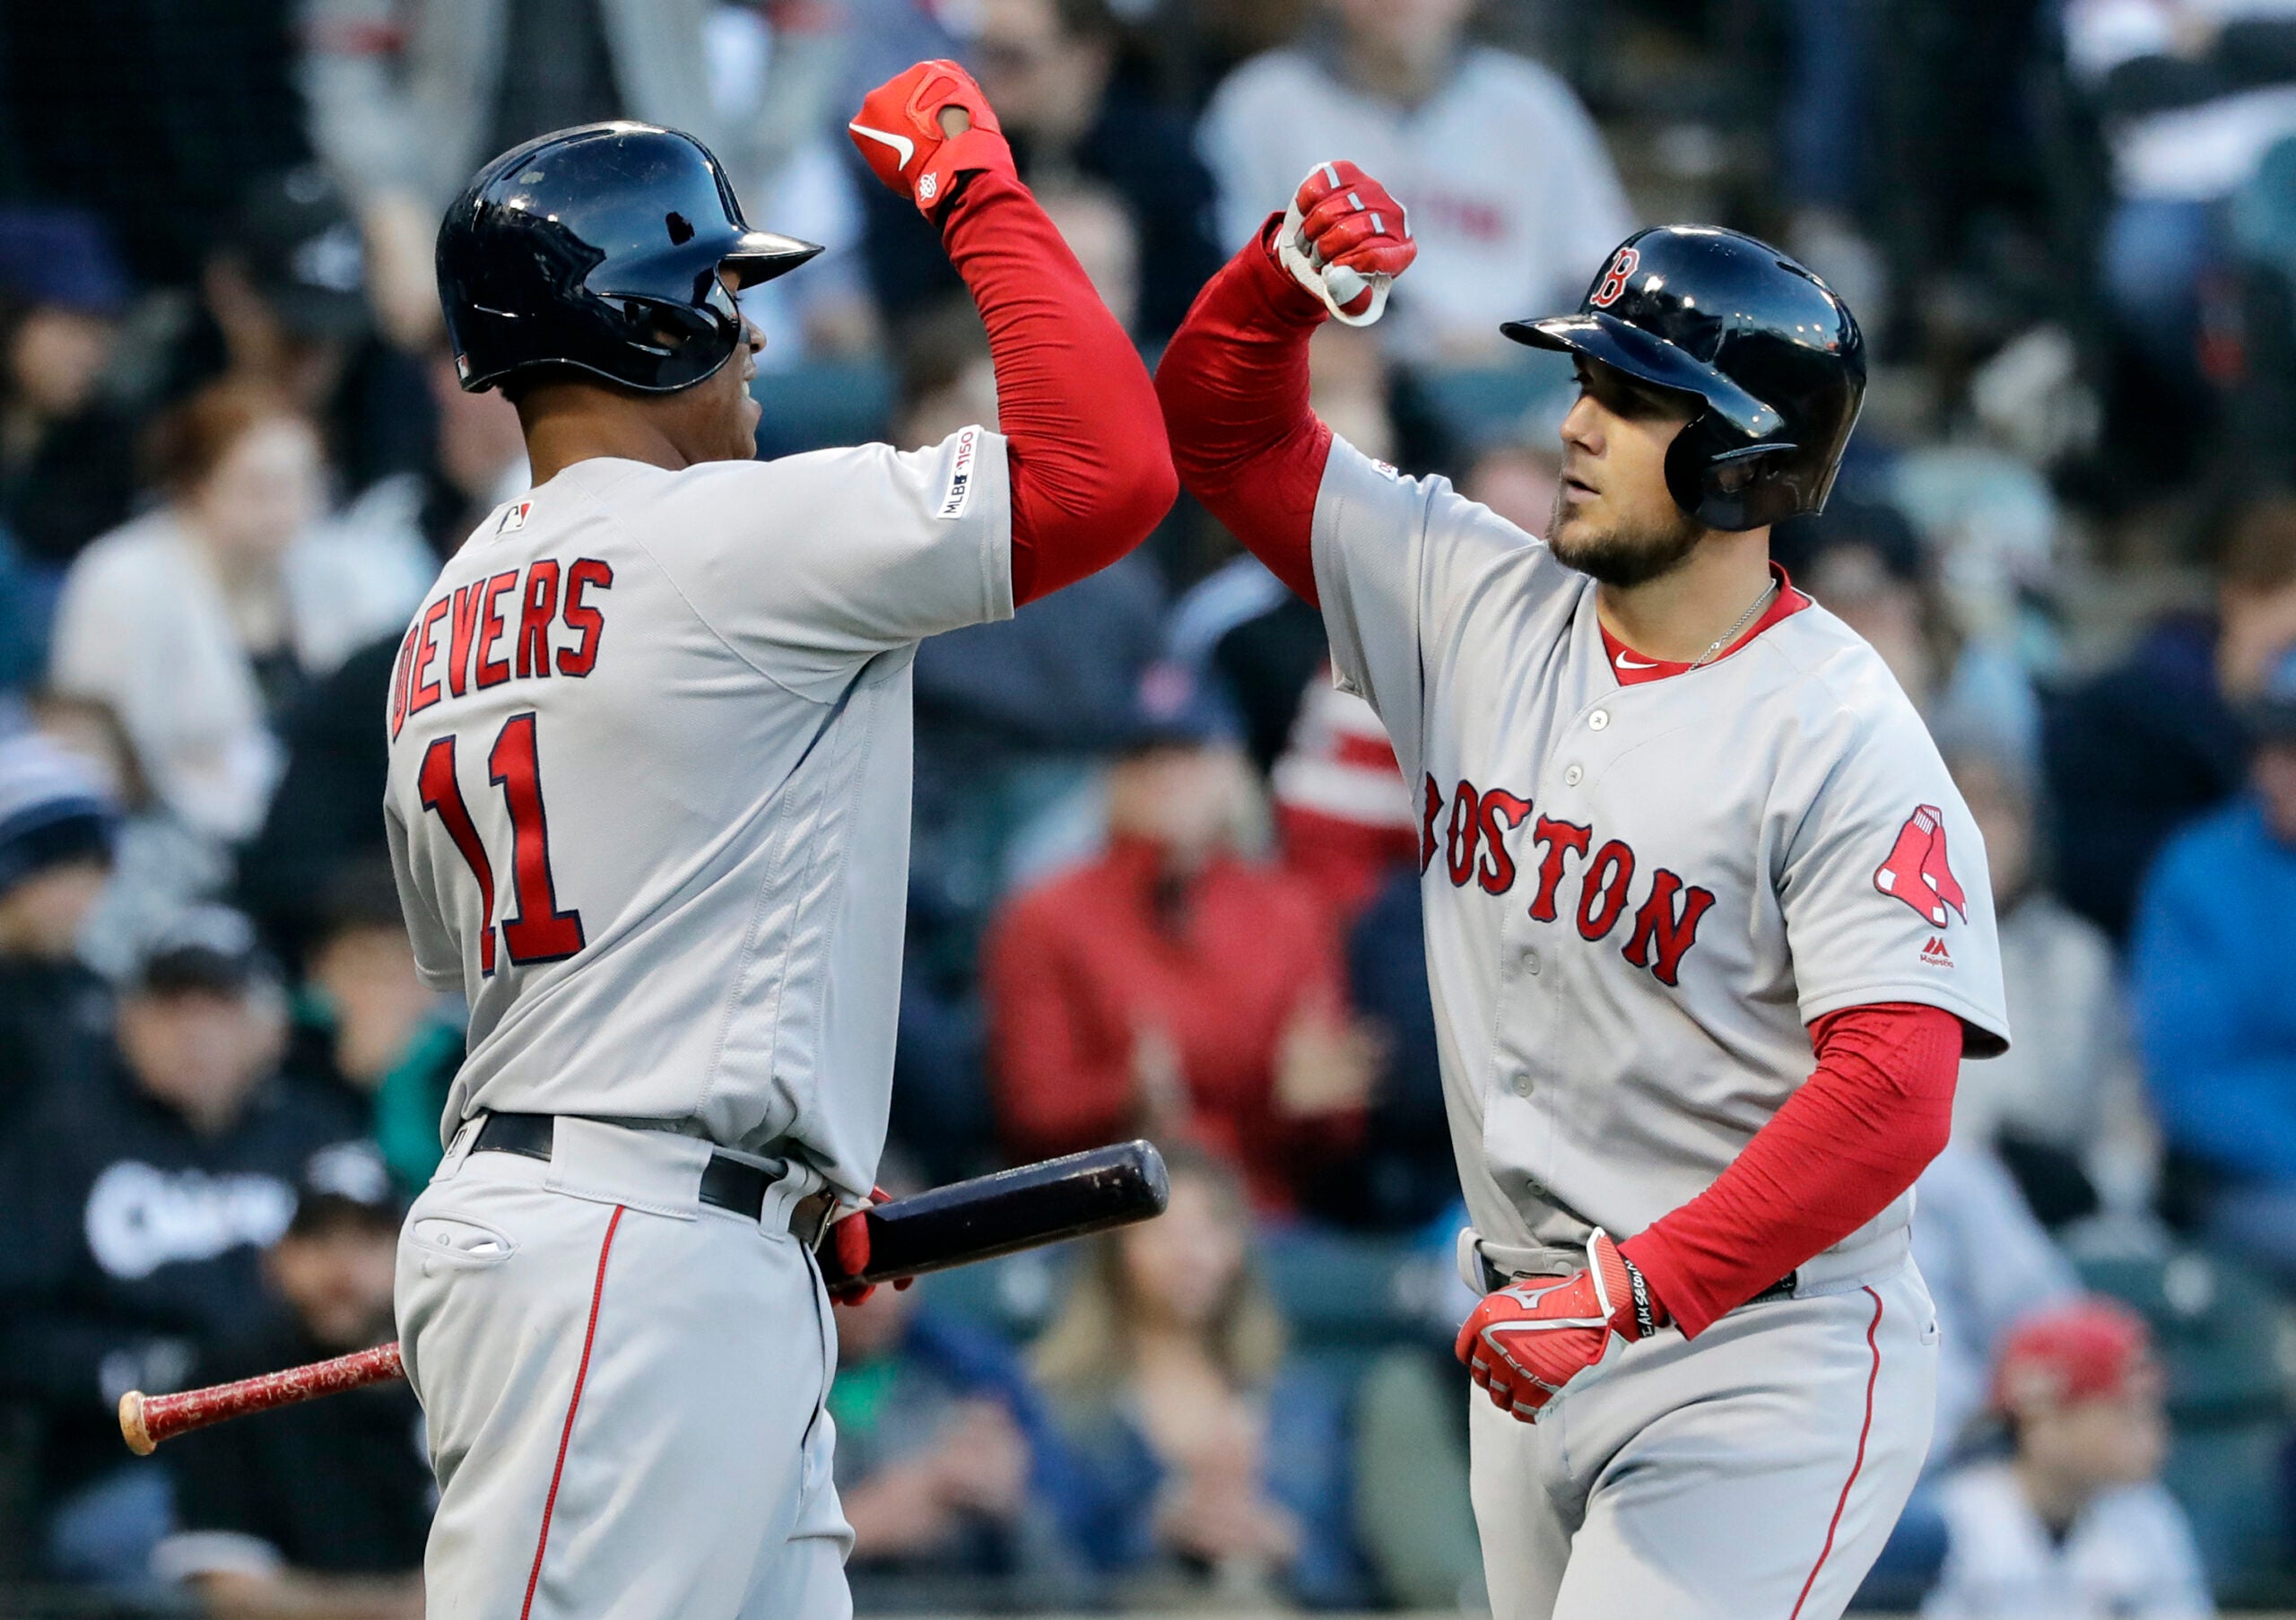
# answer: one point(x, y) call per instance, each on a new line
point(1531, 961)
point(1574, 776)
point(1522, 1086)
point(1598, 719)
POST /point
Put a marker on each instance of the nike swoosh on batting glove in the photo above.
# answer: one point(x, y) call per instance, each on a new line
point(1525, 1341)
point(899, 132)
point(1345, 238)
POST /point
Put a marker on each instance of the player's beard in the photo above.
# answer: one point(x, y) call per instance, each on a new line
point(1623, 556)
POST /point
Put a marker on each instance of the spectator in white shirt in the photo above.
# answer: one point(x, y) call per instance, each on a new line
point(2074, 1525)
point(199, 623)
point(1513, 196)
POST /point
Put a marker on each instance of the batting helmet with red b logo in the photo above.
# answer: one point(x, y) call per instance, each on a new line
point(1770, 354)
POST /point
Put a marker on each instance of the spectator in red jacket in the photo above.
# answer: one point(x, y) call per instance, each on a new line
point(1171, 986)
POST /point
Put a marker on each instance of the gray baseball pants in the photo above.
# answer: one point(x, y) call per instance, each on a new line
point(1751, 1474)
point(622, 1389)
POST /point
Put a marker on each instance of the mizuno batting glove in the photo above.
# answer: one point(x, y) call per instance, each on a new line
point(1525, 1341)
point(899, 135)
point(1345, 238)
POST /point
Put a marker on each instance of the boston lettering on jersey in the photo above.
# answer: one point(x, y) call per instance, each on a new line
point(499, 629)
point(1472, 845)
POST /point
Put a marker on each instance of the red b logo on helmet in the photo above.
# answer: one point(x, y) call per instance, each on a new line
point(1915, 871)
point(1614, 283)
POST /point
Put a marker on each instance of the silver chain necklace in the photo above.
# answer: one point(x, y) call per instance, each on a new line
point(1744, 619)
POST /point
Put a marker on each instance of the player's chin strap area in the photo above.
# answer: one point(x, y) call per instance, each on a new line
point(1485, 1266)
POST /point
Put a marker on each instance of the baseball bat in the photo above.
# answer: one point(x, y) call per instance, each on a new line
point(990, 1216)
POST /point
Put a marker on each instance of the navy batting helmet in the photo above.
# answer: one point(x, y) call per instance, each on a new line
point(1770, 350)
point(600, 248)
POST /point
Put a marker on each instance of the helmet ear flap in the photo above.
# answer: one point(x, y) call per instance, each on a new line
point(1725, 483)
point(691, 340)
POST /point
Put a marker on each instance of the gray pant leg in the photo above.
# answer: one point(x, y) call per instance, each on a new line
point(804, 1574)
point(1737, 1476)
point(1763, 1480)
point(1526, 1533)
point(691, 1479)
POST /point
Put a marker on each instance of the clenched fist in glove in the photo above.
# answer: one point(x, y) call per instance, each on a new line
point(848, 1255)
point(1346, 240)
point(920, 130)
point(1525, 1341)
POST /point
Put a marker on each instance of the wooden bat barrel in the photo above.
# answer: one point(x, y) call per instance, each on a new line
point(1025, 1207)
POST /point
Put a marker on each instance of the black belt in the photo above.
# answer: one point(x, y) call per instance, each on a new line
point(1494, 1279)
point(726, 1182)
point(1782, 1289)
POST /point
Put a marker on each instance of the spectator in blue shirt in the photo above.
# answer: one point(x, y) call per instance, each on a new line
point(2216, 928)
point(56, 833)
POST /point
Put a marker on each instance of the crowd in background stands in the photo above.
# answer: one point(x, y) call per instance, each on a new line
point(1164, 876)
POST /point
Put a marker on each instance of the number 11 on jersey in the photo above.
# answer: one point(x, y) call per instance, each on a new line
point(540, 932)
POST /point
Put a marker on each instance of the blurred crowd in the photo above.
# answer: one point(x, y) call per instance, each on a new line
point(1164, 878)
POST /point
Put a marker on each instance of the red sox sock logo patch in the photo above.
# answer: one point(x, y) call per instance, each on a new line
point(1917, 872)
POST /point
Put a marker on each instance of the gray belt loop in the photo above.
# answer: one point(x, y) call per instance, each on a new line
point(799, 1182)
point(458, 1148)
point(1485, 1266)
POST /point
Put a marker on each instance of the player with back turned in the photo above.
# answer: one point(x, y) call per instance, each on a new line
point(649, 805)
point(1708, 927)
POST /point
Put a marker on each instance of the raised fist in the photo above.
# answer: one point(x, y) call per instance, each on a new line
point(1345, 238)
point(920, 130)
point(1525, 1341)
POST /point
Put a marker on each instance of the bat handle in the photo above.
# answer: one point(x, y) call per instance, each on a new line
point(145, 1421)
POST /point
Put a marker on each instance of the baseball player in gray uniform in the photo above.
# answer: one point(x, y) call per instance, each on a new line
point(649, 803)
point(1708, 927)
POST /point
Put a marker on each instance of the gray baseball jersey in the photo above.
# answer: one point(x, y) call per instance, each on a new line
point(1638, 896)
point(649, 783)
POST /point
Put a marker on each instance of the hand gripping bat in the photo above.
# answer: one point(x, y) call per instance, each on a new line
point(1003, 1214)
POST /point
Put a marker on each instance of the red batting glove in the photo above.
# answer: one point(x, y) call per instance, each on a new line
point(1525, 1341)
point(848, 1245)
point(899, 135)
point(1345, 239)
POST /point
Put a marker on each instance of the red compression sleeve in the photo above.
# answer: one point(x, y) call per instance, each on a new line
point(1092, 474)
point(1234, 387)
point(1866, 1123)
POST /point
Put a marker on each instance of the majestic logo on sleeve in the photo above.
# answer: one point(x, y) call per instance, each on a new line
point(1917, 872)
